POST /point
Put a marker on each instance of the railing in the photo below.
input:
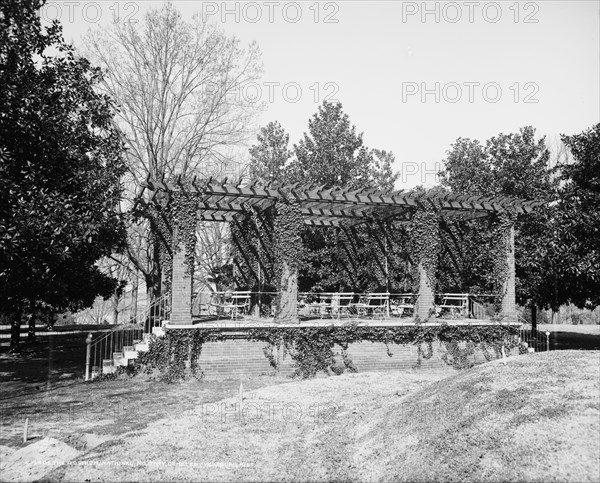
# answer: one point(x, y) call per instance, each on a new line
point(536, 340)
point(448, 305)
point(102, 351)
point(216, 304)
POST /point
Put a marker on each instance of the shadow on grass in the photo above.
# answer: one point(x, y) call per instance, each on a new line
point(573, 340)
point(54, 357)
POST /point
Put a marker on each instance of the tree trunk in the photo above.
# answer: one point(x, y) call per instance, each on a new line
point(134, 297)
point(115, 307)
point(31, 329)
point(50, 318)
point(533, 318)
point(15, 332)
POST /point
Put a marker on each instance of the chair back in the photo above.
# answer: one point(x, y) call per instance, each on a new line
point(241, 298)
point(377, 299)
point(342, 299)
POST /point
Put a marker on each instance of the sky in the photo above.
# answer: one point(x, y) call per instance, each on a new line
point(412, 76)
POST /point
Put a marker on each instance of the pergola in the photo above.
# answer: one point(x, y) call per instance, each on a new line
point(333, 207)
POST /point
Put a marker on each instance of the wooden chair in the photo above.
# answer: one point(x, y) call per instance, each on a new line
point(455, 304)
point(403, 304)
point(375, 304)
point(341, 303)
point(236, 303)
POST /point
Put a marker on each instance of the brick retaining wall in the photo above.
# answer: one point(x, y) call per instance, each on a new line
point(239, 358)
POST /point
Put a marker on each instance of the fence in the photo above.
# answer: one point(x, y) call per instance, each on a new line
point(536, 340)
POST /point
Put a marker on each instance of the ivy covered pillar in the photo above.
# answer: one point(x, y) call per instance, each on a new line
point(425, 240)
point(509, 308)
point(181, 287)
point(288, 225)
point(425, 304)
point(184, 219)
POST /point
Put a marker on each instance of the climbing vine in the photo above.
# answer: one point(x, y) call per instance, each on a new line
point(174, 213)
point(425, 242)
point(498, 251)
point(171, 353)
point(313, 348)
point(287, 228)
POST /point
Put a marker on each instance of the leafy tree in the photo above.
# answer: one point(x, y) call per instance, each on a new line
point(508, 165)
point(333, 154)
point(578, 229)
point(60, 170)
point(269, 157)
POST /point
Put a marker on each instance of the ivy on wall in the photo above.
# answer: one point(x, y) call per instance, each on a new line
point(498, 253)
point(313, 348)
point(425, 242)
point(174, 214)
point(171, 353)
point(287, 240)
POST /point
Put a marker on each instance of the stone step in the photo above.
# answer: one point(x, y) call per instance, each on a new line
point(108, 366)
point(119, 360)
point(141, 347)
point(131, 354)
point(109, 369)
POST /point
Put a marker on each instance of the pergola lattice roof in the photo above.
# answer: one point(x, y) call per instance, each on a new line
point(221, 201)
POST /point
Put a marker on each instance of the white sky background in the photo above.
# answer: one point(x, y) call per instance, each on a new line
point(375, 55)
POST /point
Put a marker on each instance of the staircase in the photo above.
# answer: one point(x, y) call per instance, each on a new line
point(116, 348)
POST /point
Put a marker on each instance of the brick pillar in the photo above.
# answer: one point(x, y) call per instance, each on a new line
point(425, 301)
point(509, 307)
point(181, 287)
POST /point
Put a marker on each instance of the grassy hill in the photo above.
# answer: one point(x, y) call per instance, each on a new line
point(535, 418)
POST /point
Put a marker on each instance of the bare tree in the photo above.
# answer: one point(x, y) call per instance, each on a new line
point(178, 84)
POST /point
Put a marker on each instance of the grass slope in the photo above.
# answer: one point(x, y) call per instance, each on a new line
point(537, 418)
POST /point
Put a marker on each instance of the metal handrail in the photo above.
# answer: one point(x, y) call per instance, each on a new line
point(157, 303)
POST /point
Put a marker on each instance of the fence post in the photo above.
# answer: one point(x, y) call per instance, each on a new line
point(88, 342)
point(547, 340)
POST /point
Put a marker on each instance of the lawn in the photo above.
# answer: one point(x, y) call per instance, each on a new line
point(528, 417)
point(535, 418)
